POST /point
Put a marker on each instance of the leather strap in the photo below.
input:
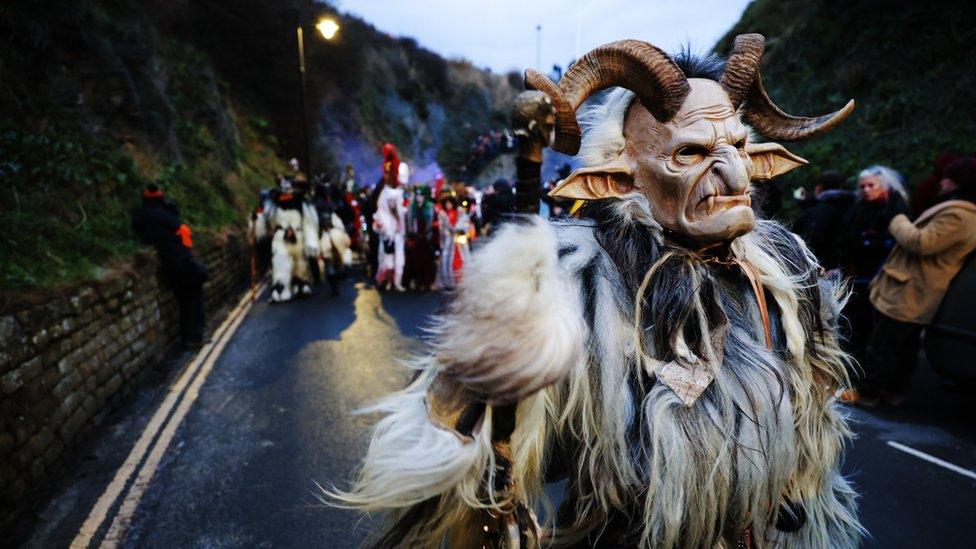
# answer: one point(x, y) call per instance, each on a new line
point(753, 275)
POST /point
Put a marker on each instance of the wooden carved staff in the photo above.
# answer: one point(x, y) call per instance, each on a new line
point(533, 118)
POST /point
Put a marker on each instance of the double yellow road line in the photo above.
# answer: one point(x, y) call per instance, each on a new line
point(156, 438)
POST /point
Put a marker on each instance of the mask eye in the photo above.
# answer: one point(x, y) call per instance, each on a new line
point(690, 154)
point(740, 144)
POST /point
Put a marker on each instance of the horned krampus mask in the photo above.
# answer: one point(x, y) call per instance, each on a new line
point(688, 148)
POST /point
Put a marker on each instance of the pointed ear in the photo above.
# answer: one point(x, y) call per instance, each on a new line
point(611, 180)
point(770, 160)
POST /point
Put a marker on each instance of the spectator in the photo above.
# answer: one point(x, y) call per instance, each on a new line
point(926, 193)
point(909, 289)
point(454, 224)
point(420, 271)
point(157, 223)
point(820, 224)
point(864, 245)
point(499, 203)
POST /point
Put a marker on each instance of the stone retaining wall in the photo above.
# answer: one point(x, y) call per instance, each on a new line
point(70, 355)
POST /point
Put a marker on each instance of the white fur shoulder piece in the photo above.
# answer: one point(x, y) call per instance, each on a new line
point(515, 325)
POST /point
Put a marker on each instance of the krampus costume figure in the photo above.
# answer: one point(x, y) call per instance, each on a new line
point(670, 355)
point(294, 242)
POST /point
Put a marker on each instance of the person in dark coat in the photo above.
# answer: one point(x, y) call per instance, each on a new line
point(864, 245)
point(157, 223)
point(420, 269)
point(820, 224)
point(498, 204)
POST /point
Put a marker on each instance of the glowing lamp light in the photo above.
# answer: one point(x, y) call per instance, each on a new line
point(327, 28)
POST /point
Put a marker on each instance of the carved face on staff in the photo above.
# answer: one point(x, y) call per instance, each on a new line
point(687, 147)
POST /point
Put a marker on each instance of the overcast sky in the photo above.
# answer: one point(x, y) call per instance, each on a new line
point(501, 35)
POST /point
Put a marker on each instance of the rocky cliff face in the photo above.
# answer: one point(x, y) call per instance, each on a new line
point(365, 87)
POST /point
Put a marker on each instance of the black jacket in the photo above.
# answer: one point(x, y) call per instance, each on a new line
point(155, 223)
point(865, 240)
point(820, 225)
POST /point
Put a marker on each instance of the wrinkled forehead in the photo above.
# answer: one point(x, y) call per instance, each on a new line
point(707, 101)
point(706, 114)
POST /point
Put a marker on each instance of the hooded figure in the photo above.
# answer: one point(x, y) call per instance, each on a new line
point(390, 222)
point(157, 223)
point(671, 356)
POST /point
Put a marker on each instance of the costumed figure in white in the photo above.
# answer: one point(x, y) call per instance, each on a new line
point(335, 252)
point(454, 225)
point(669, 354)
point(390, 224)
point(294, 242)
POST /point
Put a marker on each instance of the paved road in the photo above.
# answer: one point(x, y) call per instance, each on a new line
point(274, 417)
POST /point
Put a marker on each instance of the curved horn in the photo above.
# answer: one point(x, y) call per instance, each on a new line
point(638, 66)
point(742, 81)
point(742, 66)
point(766, 118)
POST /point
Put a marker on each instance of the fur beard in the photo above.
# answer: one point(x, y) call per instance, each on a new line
point(765, 433)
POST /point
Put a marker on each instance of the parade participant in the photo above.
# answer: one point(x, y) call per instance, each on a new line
point(908, 290)
point(334, 253)
point(419, 271)
point(672, 356)
point(259, 235)
point(157, 223)
point(294, 243)
point(453, 225)
point(439, 182)
point(349, 181)
point(389, 223)
point(297, 175)
point(370, 201)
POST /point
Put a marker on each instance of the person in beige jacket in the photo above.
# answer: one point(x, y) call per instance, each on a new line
point(908, 290)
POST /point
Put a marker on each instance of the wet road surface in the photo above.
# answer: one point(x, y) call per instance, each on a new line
point(275, 416)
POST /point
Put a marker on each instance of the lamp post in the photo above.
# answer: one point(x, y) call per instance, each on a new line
point(328, 28)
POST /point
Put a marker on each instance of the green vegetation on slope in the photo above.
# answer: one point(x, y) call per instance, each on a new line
point(366, 87)
point(908, 64)
point(95, 105)
point(98, 98)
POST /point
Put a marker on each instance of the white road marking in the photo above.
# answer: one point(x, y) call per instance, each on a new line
point(108, 498)
point(932, 459)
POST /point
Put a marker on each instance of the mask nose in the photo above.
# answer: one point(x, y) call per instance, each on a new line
point(731, 168)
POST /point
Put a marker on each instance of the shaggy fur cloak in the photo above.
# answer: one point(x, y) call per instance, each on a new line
point(759, 451)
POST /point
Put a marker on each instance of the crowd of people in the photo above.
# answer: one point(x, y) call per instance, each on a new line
point(409, 235)
point(420, 235)
point(898, 269)
point(487, 147)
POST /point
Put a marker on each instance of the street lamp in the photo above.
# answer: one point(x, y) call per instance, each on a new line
point(328, 28)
